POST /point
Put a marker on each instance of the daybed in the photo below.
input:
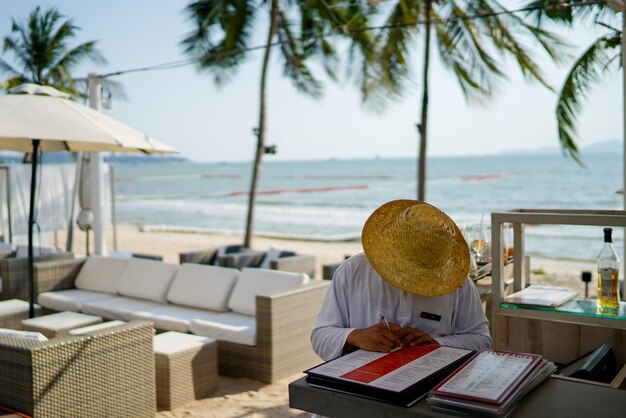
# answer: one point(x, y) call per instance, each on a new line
point(273, 258)
point(109, 373)
point(261, 318)
point(237, 256)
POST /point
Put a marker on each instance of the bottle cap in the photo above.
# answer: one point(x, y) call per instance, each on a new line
point(607, 234)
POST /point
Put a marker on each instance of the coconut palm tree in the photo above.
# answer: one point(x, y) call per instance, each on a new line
point(601, 56)
point(472, 37)
point(222, 39)
point(42, 54)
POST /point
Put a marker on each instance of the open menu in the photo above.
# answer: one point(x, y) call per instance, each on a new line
point(542, 295)
point(401, 377)
point(491, 383)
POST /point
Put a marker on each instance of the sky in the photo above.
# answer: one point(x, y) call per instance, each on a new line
point(185, 109)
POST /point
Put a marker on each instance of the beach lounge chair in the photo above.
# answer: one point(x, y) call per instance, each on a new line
point(107, 373)
point(273, 258)
point(208, 255)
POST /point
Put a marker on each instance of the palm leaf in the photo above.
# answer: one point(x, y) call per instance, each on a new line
point(585, 72)
point(221, 36)
point(294, 66)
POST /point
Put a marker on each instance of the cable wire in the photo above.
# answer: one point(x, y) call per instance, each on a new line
point(343, 30)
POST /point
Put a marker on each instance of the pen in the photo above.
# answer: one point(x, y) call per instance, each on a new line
point(385, 322)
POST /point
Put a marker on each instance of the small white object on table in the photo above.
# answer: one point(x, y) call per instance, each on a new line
point(60, 323)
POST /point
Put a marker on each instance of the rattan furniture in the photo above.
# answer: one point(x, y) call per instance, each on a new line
point(104, 374)
point(283, 261)
point(13, 311)
point(14, 275)
point(186, 368)
point(208, 255)
point(280, 320)
point(59, 323)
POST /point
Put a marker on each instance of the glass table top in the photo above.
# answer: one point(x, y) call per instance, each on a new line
point(585, 307)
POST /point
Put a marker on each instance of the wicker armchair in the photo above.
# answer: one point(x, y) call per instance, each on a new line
point(14, 274)
point(286, 261)
point(106, 373)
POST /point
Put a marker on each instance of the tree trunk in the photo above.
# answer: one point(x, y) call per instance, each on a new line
point(421, 172)
point(256, 168)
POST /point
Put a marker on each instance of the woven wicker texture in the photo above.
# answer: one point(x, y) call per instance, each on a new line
point(416, 247)
point(13, 319)
point(14, 273)
point(105, 374)
point(284, 325)
point(185, 376)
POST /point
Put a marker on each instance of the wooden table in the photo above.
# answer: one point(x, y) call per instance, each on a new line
point(554, 398)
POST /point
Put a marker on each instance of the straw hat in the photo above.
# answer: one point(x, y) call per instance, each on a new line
point(416, 247)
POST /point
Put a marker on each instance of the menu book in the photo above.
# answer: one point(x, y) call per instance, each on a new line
point(491, 383)
point(401, 377)
point(542, 295)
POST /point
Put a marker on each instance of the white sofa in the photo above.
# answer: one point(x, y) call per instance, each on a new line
point(261, 318)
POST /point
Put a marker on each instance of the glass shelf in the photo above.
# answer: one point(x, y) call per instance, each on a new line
point(585, 307)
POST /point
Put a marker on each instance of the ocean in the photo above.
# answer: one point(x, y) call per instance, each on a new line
point(331, 199)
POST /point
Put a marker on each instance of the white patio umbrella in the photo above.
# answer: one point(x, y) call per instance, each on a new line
point(38, 119)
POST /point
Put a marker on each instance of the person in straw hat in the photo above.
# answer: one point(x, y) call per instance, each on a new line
point(414, 274)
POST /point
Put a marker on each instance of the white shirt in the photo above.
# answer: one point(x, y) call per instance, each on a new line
point(359, 295)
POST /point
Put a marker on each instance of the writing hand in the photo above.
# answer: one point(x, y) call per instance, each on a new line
point(414, 337)
point(374, 338)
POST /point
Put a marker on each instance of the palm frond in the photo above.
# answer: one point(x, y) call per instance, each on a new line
point(294, 65)
point(222, 31)
point(40, 50)
point(462, 50)
point(389, 74)
point(585, 73)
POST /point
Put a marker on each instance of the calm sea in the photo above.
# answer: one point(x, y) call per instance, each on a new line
point(331, 199)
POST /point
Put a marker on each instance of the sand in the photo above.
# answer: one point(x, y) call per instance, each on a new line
point(249, 398)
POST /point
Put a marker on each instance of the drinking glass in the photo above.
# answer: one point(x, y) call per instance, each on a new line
point(508, 241)
point(479, 242)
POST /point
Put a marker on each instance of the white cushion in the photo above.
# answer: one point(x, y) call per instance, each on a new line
point(11, 307)
point(118, 307)
point(254, 281)
point(97, 327)
point(203, 286)
point(100, 274)
point(272, 254)
point(69, 300)
point(126, 255)
point(27, 335)
point(173, 317)
point(231, 327)
point(146, 279)
point(175, 342)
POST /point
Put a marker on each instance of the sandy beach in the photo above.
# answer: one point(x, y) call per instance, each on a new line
point(249, 398)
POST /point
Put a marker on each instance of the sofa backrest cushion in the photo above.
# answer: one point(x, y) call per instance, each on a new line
point(203, 286)
point(254, 281)
point(147, 279)
point(100, 274)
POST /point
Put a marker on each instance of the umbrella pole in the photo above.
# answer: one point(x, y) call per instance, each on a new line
point(31, 222)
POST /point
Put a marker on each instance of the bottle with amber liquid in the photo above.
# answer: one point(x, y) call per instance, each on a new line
point(608, 270)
